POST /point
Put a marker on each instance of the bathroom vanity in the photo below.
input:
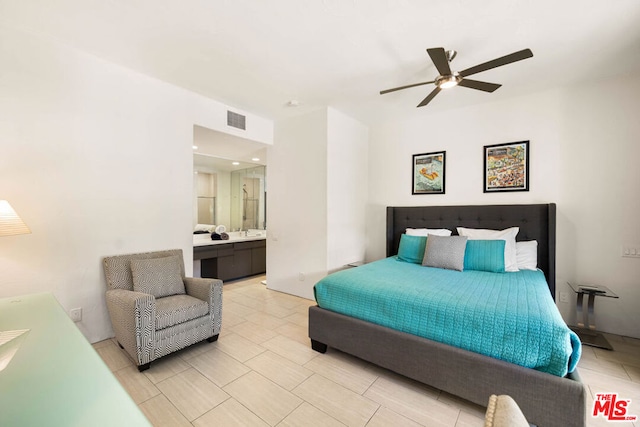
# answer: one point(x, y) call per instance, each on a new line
point(240, 256)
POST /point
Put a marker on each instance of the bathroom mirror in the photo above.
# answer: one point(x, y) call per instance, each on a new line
point(229, 183)
point(206, 195)
point(230, 194)
point(248, 199)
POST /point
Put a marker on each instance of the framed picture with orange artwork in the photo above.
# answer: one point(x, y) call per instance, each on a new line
point(506, 167)
point(428, 173)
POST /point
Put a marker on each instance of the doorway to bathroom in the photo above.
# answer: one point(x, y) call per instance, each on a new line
point(229, 205)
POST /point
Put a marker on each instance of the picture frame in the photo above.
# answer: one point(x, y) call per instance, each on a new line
point(428, 171)
point(506, 167)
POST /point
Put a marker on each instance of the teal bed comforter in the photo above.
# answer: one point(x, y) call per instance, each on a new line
point(508, 316)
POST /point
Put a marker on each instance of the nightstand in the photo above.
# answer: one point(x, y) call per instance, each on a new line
point(586, 329)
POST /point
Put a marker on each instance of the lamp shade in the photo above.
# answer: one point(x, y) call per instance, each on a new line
point(10, 223)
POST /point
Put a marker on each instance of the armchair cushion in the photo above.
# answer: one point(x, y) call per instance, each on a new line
point(178, 309)
point(159, 277)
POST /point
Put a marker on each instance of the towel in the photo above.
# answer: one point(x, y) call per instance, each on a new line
point(216, 236)
point(224, 236)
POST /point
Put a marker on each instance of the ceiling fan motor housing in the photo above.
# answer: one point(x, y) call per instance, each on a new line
point(451, 54)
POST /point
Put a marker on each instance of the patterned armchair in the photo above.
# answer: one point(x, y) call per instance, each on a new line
point(154, 309)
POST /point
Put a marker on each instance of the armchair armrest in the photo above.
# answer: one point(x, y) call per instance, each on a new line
point(201, 288)
point(133, 318)
point(209, 290)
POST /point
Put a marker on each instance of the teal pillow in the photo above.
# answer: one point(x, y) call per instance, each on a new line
point(485, 255)
point(411, 248)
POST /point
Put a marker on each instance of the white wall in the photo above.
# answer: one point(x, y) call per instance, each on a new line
point(297, 204)
point(600, 196)
point(97, 160)
point(347, 189)
point(316, 199)
point(583, 151)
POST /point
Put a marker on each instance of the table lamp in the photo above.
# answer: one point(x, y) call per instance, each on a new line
point(10, 225)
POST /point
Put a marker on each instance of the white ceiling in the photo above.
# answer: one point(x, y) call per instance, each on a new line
point(257, 55)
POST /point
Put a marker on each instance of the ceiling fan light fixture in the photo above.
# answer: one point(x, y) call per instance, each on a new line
point(446, 82)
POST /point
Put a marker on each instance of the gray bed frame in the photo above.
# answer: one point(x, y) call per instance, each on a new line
point(546, 400)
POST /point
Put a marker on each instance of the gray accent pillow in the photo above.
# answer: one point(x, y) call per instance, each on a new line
point(445, 252)
point(159, 277)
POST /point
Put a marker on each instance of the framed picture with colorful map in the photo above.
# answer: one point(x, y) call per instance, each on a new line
point(428, 173)
point(506, 167)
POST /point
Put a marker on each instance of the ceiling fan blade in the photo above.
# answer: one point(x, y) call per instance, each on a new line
point(475, 84)
point(439, 58)
point(498, 62)
point(382, 92)
point(429, 97)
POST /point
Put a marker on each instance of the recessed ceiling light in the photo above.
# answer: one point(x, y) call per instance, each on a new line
point(195, 147)
point(235, 163)
point(255, 159)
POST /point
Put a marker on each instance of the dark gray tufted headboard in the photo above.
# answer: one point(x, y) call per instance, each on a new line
point(536, 222)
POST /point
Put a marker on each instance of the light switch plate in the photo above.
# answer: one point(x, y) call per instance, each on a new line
point(631, 251)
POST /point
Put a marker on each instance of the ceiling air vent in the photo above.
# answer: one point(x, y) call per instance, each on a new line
point(236, 120)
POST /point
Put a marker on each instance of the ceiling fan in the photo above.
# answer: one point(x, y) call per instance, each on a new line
point(448, 78)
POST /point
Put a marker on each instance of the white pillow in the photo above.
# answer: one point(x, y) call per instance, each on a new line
point(527, 255)
point(508, 235)
point(426, 231)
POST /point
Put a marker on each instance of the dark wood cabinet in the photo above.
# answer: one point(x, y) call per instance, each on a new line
point(259, 260)
point(241, 262)
point(230, 261)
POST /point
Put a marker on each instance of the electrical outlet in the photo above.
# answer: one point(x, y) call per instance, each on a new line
point(564, 297)
point(76, 314)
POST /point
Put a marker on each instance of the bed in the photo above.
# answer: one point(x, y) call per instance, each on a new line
point(461, 372)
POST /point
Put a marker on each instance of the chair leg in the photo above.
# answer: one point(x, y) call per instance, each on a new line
point(213, 338)
point(144, 367)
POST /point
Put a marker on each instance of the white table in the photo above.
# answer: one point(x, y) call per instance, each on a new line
point(55, 377)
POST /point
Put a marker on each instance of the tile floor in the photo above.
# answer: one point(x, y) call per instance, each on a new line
point(262, 372)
